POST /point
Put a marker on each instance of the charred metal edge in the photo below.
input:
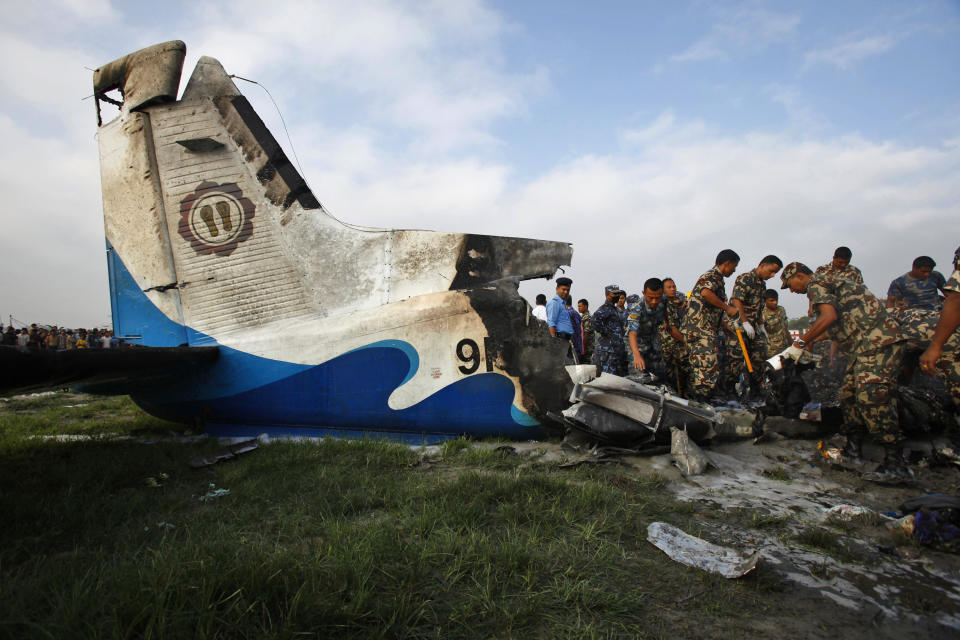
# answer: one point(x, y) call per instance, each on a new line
point(277, 161)
point(523, 348)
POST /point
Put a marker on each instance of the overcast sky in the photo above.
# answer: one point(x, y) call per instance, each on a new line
point(649, 134)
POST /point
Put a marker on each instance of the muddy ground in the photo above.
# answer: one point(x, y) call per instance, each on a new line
point(859, 574)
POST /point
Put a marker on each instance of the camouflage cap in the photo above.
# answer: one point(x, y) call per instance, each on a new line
point(611, 288)
point(789, 271)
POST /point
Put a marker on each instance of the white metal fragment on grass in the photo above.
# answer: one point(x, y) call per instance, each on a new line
point(700, 554)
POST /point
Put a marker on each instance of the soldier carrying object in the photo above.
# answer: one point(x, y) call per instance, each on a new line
point(701, 323)
point(865, 330)
point(747, 297)
point(918, 288)
point(937, 358)
point(608, 351)
point(644, 318)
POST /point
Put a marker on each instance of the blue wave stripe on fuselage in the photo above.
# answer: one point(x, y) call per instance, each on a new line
point(348, 392)
point(351, 392)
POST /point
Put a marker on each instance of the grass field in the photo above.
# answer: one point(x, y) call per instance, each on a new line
point(108, 538)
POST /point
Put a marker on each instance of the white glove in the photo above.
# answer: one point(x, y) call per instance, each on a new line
point(792, 352)
point(749, 331)
point(763, 331)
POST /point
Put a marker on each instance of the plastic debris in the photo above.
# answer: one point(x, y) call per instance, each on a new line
point(811, 411)
point(847, 511)
point(934, 528)
point(830, 453)
point(700, 554)
point(904, 524)
point(689, 458)
point(214, 493)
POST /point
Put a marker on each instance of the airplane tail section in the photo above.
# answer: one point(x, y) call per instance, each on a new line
point(213, 237)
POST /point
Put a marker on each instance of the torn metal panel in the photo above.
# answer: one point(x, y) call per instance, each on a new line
point(145, 77)
point(700, 554)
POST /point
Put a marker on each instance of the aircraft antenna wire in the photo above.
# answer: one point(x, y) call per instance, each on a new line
point(297, 159)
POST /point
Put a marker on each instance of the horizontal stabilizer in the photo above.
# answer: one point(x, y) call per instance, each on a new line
point(112, 370)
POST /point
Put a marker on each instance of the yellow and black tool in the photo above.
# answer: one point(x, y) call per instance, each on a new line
point(743, 347)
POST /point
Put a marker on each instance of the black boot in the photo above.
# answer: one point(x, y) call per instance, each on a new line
point(893, 469)
point(853, 448)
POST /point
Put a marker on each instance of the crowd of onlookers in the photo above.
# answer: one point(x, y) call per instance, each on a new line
point(58, 338)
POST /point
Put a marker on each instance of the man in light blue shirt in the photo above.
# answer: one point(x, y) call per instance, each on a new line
point(558, 319)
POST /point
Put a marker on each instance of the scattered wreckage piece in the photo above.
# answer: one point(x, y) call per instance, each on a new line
point(227, 453)
point(620, 411)
point(689, 458)
point(700, 554)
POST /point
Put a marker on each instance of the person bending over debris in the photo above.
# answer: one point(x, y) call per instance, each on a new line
point(918, 328)
point(708, 303)
point(933, 359)
point(608, 353)
point(864, 329)
point(644, 318)
point(747, 297)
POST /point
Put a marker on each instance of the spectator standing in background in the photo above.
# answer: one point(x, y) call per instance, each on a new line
point(586, 325)
point(540, 309)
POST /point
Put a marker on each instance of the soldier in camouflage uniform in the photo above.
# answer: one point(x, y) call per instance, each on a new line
point(675, 355)
point(747, 297)
point(824, 381)
point(840, 266)
point(608, 352)
point(586, 323)
point(701, 322)
point(864, 329)
point(918, 326)
point(936, 359)
point(630, 300)
point(644, 318)
point(774, 319)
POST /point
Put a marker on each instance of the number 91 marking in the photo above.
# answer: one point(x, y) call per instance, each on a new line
point(468, 352)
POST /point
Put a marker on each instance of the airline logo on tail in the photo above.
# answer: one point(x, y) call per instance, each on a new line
point(215, 218)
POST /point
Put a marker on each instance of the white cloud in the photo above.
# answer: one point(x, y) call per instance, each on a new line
point(433, 69)
point(846, 54)
point(745, 29)
point(671, 208)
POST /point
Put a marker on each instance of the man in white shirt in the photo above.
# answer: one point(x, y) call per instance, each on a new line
point(540, 310)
